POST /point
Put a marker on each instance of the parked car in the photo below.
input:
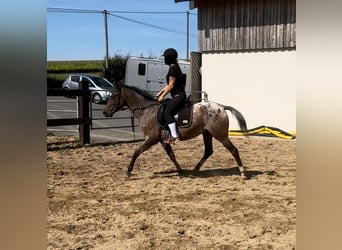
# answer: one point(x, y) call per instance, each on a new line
point(100, 87)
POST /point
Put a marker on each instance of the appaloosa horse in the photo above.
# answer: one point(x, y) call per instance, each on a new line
point(208, 119)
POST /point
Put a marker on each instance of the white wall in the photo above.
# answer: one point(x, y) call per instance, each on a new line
point(261, 85)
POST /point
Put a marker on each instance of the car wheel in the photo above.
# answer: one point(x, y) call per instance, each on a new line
point(66, 95)
point(97, 98)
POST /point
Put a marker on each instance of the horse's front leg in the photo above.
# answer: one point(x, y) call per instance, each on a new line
point(146, 145)
point(172, 156)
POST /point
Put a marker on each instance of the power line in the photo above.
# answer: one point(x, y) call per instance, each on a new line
point(152, 25)
point(109, 12)
point(116, 11)
point(147, 12)
point(73, 10)
point(105, 12)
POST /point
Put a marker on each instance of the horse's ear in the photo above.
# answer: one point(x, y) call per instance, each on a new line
point(118, 85)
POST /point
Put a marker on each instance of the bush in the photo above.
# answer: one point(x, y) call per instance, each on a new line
point(53, 82)
point(116, 68)
point(59, 70)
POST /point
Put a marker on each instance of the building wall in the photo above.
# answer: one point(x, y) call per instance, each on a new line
point(227, 25)
point(261, 85)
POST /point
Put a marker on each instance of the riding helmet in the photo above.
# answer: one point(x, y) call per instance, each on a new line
point(170, 56)
point(170, 52)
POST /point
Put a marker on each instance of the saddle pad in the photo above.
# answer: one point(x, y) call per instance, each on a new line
point(183, 119)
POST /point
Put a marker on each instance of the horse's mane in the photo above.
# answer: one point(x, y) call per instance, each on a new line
point(142, 92)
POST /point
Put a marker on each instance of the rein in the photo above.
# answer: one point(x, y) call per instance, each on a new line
point(145, 107)
point(117, 106)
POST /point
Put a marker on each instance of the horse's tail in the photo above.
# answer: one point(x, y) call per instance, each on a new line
point(239, 117)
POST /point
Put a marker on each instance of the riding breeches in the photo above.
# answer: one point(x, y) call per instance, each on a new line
point(173, 106)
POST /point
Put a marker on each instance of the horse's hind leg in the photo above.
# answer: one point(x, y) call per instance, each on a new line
point(229, 145)
point(208, 149)
point(172, 156)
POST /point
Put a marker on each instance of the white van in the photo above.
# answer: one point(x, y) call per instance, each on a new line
point(150, 74)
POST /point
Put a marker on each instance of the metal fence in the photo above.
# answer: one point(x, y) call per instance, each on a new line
point(87, 117)
point(83, 118)
point(63, 111)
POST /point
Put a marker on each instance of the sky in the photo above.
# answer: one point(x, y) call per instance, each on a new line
point(81, 36)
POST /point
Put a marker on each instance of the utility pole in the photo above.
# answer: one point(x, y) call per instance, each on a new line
point(106, 41)
point(187, 35)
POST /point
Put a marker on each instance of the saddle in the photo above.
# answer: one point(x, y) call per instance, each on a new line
point(183, 117)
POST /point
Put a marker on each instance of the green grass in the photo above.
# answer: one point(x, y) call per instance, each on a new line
point(67, 67)
point(58, 71)
point(74, 65)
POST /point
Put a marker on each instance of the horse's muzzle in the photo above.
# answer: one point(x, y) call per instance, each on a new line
point(107, 114)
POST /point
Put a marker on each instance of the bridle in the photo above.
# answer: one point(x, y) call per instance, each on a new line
point(117, 107)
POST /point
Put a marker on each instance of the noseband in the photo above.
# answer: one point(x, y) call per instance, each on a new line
point(117, 107)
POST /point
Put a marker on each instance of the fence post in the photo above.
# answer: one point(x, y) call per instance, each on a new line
point(83, 113)
point(196, 77)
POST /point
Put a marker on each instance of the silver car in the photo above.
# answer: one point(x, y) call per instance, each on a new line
point(100, 87)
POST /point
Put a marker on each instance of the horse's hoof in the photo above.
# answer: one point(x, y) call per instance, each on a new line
point(243, 177)
point(195, 172)
point(180, 172)
point(129, 174)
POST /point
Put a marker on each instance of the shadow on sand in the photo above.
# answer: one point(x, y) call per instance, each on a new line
point(207, 173)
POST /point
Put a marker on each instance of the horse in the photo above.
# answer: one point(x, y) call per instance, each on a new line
point(208, 118)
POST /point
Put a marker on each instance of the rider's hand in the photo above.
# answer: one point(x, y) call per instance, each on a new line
point(159, 93)
point(160, 98)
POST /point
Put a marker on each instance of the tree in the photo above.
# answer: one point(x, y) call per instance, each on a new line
point(116, 68)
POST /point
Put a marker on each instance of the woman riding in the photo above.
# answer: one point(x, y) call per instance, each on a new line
point(176, 87)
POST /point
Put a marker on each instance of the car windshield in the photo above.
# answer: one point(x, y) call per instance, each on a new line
point(102, 83)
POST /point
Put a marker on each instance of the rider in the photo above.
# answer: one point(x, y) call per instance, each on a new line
point(176, 87)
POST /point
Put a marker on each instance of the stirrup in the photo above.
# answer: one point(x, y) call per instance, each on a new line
point(171, 139)
point(167, 138)
point(165, 135)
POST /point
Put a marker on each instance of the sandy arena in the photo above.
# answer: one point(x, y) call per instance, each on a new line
point(93, 205)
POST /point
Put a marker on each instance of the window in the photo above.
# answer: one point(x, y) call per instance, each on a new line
point(86, 80)
point(100, 82)
point(141, 69)
point(75, 78)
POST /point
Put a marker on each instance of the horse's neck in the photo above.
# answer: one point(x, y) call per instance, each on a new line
point(133, 99)
point(137, 102)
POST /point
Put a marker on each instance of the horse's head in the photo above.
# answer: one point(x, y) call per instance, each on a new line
point(115, 103)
